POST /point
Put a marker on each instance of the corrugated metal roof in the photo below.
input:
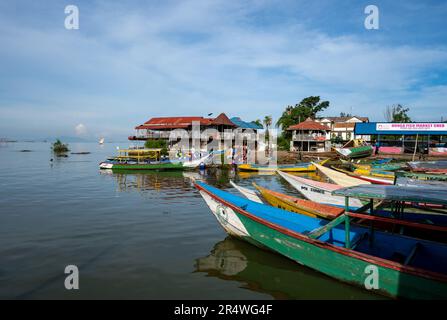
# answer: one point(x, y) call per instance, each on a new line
point(245, 125)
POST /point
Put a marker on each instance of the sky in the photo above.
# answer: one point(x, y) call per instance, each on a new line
point(133, 60)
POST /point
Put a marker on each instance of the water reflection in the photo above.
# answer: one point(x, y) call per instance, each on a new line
point(266, 272)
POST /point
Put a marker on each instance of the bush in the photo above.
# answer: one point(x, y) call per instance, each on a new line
point(283, 143)
point(157, 144)
point(60, 147)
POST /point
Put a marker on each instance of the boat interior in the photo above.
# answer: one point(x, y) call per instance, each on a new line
point(405, 250)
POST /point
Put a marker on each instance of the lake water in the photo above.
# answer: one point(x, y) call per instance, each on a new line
point(132, 236)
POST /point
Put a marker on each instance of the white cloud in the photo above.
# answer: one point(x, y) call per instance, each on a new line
point(195, 57)
point(80, 129)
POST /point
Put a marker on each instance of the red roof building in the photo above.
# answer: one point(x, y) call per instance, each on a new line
point(309, 124)
point(310, 136)
point(160, 128)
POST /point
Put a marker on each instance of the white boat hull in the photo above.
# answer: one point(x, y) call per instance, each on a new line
point(317, 193)
point(248, 193)
point(226, 217)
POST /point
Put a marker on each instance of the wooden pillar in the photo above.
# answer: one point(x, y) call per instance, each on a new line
point(347, 227)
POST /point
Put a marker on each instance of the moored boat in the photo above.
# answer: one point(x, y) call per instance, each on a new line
point(366, 177)
point(298, 167)
point(320, 192)
point(302, 206)
point(147, 159)
point(340, 178)
point(405, 267)
point(355, 149)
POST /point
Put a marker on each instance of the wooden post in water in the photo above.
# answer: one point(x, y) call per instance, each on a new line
point(347, 235)
point(415, 146)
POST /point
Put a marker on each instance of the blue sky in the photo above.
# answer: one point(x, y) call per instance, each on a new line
point(132, 60)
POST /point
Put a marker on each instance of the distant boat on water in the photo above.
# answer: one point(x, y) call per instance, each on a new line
point(101, 141)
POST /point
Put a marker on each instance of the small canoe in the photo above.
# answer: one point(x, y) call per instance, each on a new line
point(320, 192)
point(366, 177)
point(355, 152)
point(340, 178)
point(421, 176)
point(297, 205)
point(298, 167)
point(407, 267)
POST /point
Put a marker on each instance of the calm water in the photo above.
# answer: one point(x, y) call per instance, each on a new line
point(143, 236)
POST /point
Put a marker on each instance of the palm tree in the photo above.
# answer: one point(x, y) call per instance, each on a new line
point(267, 122)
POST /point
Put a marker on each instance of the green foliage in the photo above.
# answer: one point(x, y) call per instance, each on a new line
point(258, 122)
point(397, 113)
point(59, 147)
point(308, 107)
point(157, 144)
point(283, 143)
point(336, 138)
point(267, 122)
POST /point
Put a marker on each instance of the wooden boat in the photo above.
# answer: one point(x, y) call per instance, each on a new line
point(421, 176)
point(366, 177)
point(404, 266)
point(425, 213)
point(298, 167)
point(297, 205)
point(376, 167)
point(320, 192)
point(355, 149)
point(428, 166)
point(340, 178)
point(248, 193)
point(146, 159)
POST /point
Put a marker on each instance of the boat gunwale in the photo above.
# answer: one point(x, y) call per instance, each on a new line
point(324, 245)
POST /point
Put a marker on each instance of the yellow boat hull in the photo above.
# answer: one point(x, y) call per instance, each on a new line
point(300, 206)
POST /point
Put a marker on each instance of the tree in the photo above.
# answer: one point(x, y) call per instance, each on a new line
point(157, 144)
point(59, 147)
point(397, 113)
point(267, 122)
point(308, 107)
point(258, 122)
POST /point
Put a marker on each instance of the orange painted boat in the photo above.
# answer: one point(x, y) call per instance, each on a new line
point(297, 205)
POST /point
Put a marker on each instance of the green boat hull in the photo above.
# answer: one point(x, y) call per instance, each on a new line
point(349, 266)
point(343, 267)
point(161, 166)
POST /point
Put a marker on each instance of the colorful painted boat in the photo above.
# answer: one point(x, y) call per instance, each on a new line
point(366, 177)
point(248, 193)
point(401, 266)
point(428, 166)
point(355, 149)
point(340, 178)
point(130, 163)
point(421, 176)
point(298, 167)
point(320, 192)
point(297, 205)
